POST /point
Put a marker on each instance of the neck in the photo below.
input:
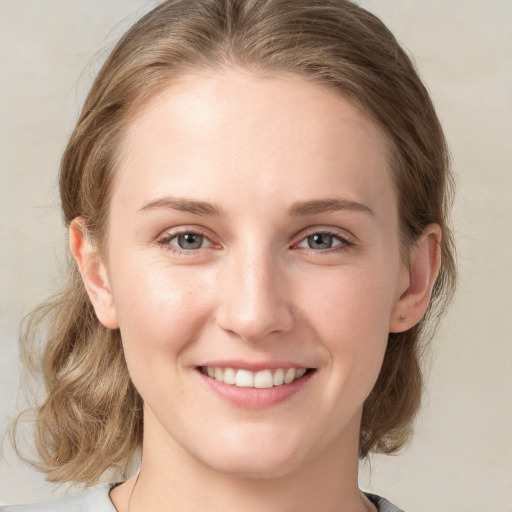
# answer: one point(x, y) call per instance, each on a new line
point(170, 479)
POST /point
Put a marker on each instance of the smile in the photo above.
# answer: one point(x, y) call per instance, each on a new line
point(247, 379)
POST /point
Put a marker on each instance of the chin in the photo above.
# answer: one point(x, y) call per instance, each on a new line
point(257, 468)
point(254, 461)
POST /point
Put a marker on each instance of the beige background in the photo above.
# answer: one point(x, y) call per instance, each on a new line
point(461, 458)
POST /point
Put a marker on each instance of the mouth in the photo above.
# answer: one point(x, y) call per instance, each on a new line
point(263, 379)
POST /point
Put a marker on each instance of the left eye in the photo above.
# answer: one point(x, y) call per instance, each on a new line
point(322, 241)
point(188, 241)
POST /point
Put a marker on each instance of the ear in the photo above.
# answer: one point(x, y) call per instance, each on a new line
point(94, 273)
point(424, 264)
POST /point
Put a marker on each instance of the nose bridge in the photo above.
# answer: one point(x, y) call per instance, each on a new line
point(254, 302)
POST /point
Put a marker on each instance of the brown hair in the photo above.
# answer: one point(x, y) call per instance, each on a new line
point(91, 419)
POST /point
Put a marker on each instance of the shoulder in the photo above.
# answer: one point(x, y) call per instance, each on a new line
point(382, 504)
point(95, 499)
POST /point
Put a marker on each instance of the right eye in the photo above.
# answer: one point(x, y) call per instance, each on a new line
point(188, 241)
point(185, 241)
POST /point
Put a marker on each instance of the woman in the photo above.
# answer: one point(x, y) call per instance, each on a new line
point(256, 194)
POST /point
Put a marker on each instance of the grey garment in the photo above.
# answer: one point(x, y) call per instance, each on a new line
point(96, 499)
point(382, 504)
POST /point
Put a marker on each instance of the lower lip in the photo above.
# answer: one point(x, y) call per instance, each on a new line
point(255, 398)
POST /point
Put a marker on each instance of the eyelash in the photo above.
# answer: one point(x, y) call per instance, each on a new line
point(165, 242)
point(344, 242)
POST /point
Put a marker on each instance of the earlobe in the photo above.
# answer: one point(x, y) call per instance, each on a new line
point(424, 264)
point(94, 273)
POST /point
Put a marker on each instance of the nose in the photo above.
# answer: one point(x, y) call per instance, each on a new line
point(255, 302)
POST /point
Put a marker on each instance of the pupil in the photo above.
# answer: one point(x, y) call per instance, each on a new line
point(320, 241)
point(190, 241)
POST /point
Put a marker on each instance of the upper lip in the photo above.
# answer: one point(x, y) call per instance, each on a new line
point(253, 366)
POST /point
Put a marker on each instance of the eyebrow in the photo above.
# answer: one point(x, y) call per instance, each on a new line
point(328, 205)
point(183, 205)
point(299, 209)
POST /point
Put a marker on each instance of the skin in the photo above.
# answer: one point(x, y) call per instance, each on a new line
point(255, 290)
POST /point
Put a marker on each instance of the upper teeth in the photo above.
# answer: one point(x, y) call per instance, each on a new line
point(261, 379)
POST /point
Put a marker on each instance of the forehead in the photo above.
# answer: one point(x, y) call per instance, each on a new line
point(222, 132)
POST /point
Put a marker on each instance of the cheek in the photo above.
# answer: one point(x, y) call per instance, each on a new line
point(351, 316)
point(349, 301)
point(159, 312)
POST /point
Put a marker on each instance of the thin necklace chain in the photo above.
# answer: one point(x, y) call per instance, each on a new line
point(128, 509)
point(370, 507)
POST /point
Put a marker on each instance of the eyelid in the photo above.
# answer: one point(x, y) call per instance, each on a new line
point(346, 239)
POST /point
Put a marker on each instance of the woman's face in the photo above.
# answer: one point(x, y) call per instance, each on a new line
point(253, 235)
